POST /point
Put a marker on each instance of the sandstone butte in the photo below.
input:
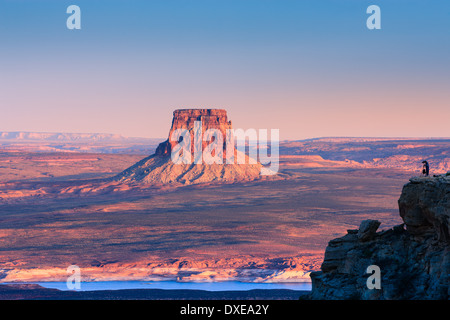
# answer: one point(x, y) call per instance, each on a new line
point(159, 168)
point(414, 257)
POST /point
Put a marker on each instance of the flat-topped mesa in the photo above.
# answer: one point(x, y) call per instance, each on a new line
point(159, 168)
point(186, 118)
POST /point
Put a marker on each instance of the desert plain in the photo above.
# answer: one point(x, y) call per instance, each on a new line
point(58, 208)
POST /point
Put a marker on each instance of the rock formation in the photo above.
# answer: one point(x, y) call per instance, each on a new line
point(159, 168)
point(414, 262)
point(185, 118)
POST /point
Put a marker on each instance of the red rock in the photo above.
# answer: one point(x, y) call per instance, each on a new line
point(159, 168)
point(185, 119)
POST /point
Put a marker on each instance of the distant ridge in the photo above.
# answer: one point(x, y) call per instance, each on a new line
point(368, 139)
point(21, 141)
point(64, 136)
point(107, 137)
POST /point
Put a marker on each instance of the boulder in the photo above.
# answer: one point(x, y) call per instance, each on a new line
point(425, 206)
point(368, 229)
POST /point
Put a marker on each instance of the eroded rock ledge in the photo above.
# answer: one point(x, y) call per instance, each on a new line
point(413, 257)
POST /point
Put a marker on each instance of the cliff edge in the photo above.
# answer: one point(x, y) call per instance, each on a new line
point(413, 258)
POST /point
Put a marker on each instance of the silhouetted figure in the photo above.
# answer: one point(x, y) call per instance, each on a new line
point(426, 168)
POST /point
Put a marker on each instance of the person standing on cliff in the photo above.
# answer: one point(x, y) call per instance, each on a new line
point(426, 168)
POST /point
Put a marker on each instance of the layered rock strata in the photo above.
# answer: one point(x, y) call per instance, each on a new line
point(160, 169)
point(186, 118)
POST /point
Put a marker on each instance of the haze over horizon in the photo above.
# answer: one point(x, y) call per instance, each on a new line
point(115, 135)
point(311, 68)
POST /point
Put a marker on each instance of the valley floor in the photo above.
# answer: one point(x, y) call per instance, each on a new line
point(268, 230)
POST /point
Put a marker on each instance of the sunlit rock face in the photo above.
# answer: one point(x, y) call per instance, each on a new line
point(160, 169)
point(186, 118)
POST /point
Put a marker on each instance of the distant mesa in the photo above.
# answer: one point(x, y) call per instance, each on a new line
point(185, 118)
point(59, 136)
point(160, 169)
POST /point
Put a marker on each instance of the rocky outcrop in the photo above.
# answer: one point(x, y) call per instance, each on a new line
point(413, 258)
point(425, 207)
point(368, 229)
point(185, 119)
point(159, 168)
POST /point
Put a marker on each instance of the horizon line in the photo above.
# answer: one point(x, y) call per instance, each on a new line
point(118, 135)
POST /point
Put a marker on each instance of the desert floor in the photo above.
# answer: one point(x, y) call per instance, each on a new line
point(263, 230)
